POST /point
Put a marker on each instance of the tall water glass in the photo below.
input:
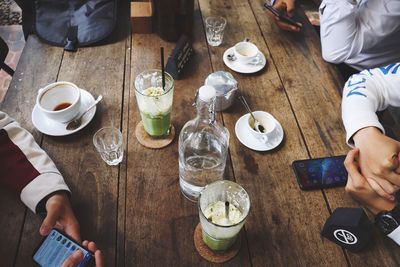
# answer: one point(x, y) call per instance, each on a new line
point(108, 142)
point(215, 27)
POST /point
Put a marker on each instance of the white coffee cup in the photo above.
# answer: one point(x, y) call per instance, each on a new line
point(246, 53)
point(267, 121)
point(59, 101)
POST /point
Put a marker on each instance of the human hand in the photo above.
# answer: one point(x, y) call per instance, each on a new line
point(76, 257)
point(379, 161)
point(60, 215)
point(286, 7)
point(359, 188)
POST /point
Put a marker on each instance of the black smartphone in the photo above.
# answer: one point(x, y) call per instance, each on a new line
point(56, 247)
point(281, 16)
point(320, 173)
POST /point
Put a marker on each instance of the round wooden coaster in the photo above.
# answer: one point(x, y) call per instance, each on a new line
point(147, 141)
point(210, 255)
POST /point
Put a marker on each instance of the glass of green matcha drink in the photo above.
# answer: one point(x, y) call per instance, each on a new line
point(223, 209)
point(154, 101)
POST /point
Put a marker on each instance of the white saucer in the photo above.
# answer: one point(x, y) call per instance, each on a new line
point(243, 68)
point(247, 139)
point(54, 128)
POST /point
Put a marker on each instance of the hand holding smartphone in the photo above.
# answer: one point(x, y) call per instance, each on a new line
point(282, 17)
point(57, 247)
point(320, 173)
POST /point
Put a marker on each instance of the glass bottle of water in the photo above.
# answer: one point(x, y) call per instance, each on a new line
point(203, 146)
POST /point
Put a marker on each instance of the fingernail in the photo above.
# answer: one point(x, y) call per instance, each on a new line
point(77, 255)
point(44, 230)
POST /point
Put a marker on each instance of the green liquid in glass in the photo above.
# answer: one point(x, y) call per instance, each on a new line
point(218, 244)
point(156, 126)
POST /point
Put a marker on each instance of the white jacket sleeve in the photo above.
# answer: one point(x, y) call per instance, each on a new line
point(339, 31)
point(25, 168)
point(366, 93)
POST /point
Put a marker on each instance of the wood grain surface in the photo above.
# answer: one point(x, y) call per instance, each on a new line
point(280, 211)
point(135, 212)
point(159, 220)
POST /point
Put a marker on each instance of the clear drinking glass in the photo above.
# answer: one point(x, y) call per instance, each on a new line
point(215, 27)
point(108, 142)
point(155, 103)
point(220, 228)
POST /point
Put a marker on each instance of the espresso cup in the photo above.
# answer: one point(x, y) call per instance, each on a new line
point(267, 121)
point(59, 101)
point(246, 53)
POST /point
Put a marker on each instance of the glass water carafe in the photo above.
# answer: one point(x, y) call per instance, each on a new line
point(203, 146)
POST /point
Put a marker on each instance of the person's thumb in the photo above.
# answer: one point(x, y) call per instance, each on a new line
point(290, 7)
point(49, 222)
point(74, 259)
point(280, 6)
point(396, 164)
point(392, 162)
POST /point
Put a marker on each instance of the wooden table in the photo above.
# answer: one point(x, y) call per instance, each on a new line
point(135, 212)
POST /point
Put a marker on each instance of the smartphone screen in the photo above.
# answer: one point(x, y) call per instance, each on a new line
point(320, 173)
point(56, 247)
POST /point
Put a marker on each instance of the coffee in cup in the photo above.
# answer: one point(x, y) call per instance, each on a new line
point(247, 53)
point(59, 101)
point(265, 126)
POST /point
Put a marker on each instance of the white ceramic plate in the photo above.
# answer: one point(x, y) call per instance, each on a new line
point(243, 68)
point(247, 139)
point(54, 128)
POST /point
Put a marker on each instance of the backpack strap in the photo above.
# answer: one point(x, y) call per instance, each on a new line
point(72, 39)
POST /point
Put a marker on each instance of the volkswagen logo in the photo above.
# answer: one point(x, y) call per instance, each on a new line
point(345, 236)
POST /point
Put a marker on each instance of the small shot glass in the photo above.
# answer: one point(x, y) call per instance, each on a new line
point(108, 142)
point(215, 27)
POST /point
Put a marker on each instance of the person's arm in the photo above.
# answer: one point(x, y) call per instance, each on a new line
point(25, 168)
point(363, 95)
point(28, 171)
point(366, 93)
point(340, 36)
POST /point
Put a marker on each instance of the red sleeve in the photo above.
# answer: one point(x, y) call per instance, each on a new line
point(25, 168)
point(16, 171)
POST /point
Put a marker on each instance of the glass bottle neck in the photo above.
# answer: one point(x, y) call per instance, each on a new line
point(206, 110)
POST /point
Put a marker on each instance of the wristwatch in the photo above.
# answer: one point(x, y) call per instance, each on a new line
point(388, 222)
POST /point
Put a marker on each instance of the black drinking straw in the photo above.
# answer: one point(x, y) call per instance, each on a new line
point(162, 67)
point(227, 210)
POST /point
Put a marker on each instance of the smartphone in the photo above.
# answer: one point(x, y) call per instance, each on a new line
point(56, 247)
point(320, 173)
point(281, 16)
